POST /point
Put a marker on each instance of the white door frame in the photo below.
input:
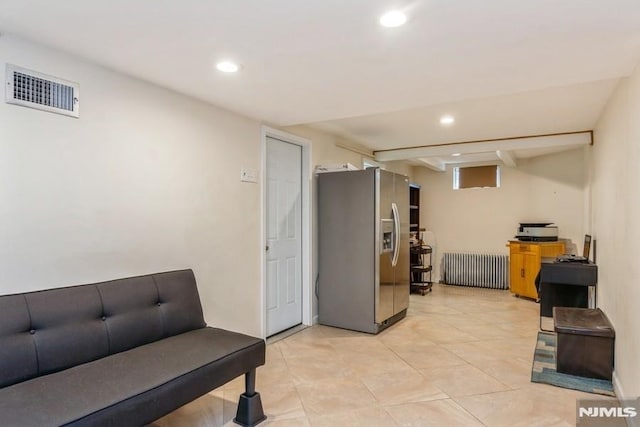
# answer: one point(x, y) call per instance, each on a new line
point(307, 288)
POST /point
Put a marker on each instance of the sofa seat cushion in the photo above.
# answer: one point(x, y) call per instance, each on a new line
point(96, 392)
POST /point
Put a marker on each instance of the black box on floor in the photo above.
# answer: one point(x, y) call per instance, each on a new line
point(585, 342)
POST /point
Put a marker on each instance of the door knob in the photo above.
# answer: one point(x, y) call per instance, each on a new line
point(267, 248)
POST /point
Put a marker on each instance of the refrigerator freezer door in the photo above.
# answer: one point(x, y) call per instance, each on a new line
point(349, 249)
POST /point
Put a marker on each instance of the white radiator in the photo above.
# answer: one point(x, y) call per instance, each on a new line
point(475, 269)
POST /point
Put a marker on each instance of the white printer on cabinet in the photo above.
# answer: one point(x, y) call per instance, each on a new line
point(537, 232)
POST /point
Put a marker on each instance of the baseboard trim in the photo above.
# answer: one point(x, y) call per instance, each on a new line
point(617, 388)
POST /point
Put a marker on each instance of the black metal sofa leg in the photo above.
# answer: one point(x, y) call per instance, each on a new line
point(250, 411)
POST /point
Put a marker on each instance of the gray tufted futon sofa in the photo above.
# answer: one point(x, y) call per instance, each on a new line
point(117, 353)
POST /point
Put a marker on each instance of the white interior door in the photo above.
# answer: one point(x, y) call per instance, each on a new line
point(284, 235)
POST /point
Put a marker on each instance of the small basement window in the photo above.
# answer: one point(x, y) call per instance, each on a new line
point(476, 177)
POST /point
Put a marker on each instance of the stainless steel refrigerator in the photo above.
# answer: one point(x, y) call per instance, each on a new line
point(363, 258)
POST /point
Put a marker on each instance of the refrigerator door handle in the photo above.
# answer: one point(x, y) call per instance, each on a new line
point(396, 234)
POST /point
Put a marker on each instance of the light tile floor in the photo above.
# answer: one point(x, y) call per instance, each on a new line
point(461, 357)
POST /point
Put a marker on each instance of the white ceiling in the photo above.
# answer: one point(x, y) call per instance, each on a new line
point(503, 68)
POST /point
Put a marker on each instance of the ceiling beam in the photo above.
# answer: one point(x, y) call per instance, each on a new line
point(433, 164)
point(473, 164)
point(355, 148)
point(570, 139)
point(507, 158)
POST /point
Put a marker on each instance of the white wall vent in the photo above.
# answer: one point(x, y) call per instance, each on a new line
point(40, 91)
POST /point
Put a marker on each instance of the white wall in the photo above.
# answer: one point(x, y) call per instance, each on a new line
point(550, 187)
point(615, 180)
point(146, 180)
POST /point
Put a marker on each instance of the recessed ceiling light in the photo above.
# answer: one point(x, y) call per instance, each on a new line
point(227, 67)
point(393, 18)
point(447, 120)
point(456, 154)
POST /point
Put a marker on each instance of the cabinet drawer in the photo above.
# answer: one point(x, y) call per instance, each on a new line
point(524, 248)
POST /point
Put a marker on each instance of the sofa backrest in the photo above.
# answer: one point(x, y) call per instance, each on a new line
point(48, 331)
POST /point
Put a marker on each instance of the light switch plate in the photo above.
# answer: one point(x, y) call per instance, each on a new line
point(248, 175)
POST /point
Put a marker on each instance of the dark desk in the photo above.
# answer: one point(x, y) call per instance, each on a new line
point(565, 284)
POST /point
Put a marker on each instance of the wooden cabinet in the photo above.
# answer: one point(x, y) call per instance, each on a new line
point(524, 267)
point(525, 259)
